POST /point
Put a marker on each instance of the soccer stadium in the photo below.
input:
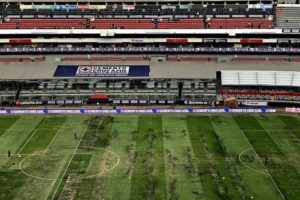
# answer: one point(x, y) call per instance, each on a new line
point(150, 100)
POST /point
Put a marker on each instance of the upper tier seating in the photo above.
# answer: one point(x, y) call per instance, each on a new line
point(181, 24)
point(288, 17)
point(233, 23)
point(138, 9)
point(122, 23)
point(193, 23)
point(44, 24)
point(22, 59)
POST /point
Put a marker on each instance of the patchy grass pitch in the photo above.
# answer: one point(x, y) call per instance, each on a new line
point(150, 157)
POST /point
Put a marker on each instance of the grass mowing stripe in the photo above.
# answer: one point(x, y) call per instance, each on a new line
point(99, 135)
point(64, 173)
point(210, 187)
point(287, 141)
point(10, 182)
point(148, 178)
point(123, 144)
point(218, 159)
point(182, 173)
point(226, 163)
point(57, 132)
point(6, 122)
point(27, 141)
point(29, 137)
point(77, 169)
point(34, 131)
point(292, 124)
point(159, 164)
point(41, 139)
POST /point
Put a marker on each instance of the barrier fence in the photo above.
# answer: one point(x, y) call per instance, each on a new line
point(133, 111)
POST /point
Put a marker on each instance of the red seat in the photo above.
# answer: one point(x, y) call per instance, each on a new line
point(240, 23)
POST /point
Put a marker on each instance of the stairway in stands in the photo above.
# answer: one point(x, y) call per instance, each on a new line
point(155, 21)
point(19, 88)
point(88, 23)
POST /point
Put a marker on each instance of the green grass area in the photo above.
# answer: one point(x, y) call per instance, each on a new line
point(134, 157)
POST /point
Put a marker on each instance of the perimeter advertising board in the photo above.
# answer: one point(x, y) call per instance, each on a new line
point(136, 111)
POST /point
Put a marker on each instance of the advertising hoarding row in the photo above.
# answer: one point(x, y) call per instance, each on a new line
point(133, 111)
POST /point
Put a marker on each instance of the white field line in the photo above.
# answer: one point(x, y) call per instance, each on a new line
point(62, 177)
point(56, 179)
point(46, 120)
point(27, 141)
point(263, 166)
point(52, 141)
point(240, 156)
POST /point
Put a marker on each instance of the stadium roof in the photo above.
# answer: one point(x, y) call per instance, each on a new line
point(261, 78)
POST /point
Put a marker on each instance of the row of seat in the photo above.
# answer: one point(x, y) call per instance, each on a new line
point(21, 59)
point(181, 24)
point(45, 23)
point(143, 58)
point(241, 23)
point(136, 23)
point(143, 9)
point(192, 59)
point(186, 59)
point(71, 59)
point(288, 17)
point(122, 23)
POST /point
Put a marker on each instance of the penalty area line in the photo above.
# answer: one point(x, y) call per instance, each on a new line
point(68, 165)
point(27, 141)
point(57, 132)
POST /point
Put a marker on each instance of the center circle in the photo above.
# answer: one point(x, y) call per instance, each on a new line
point(87, 162)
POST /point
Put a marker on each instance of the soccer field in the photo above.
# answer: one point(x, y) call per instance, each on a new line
point(150, 157)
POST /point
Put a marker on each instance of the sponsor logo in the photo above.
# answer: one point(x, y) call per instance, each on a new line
point(102, 71)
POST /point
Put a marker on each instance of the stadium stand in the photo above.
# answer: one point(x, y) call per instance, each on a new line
point(240, 23)
point(287, 16)
point(22, 59)
point(148, 35)
point(122, 24)
point(218, 23)
point(261, 85)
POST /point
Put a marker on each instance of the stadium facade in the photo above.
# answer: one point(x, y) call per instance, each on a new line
point(61, 52)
